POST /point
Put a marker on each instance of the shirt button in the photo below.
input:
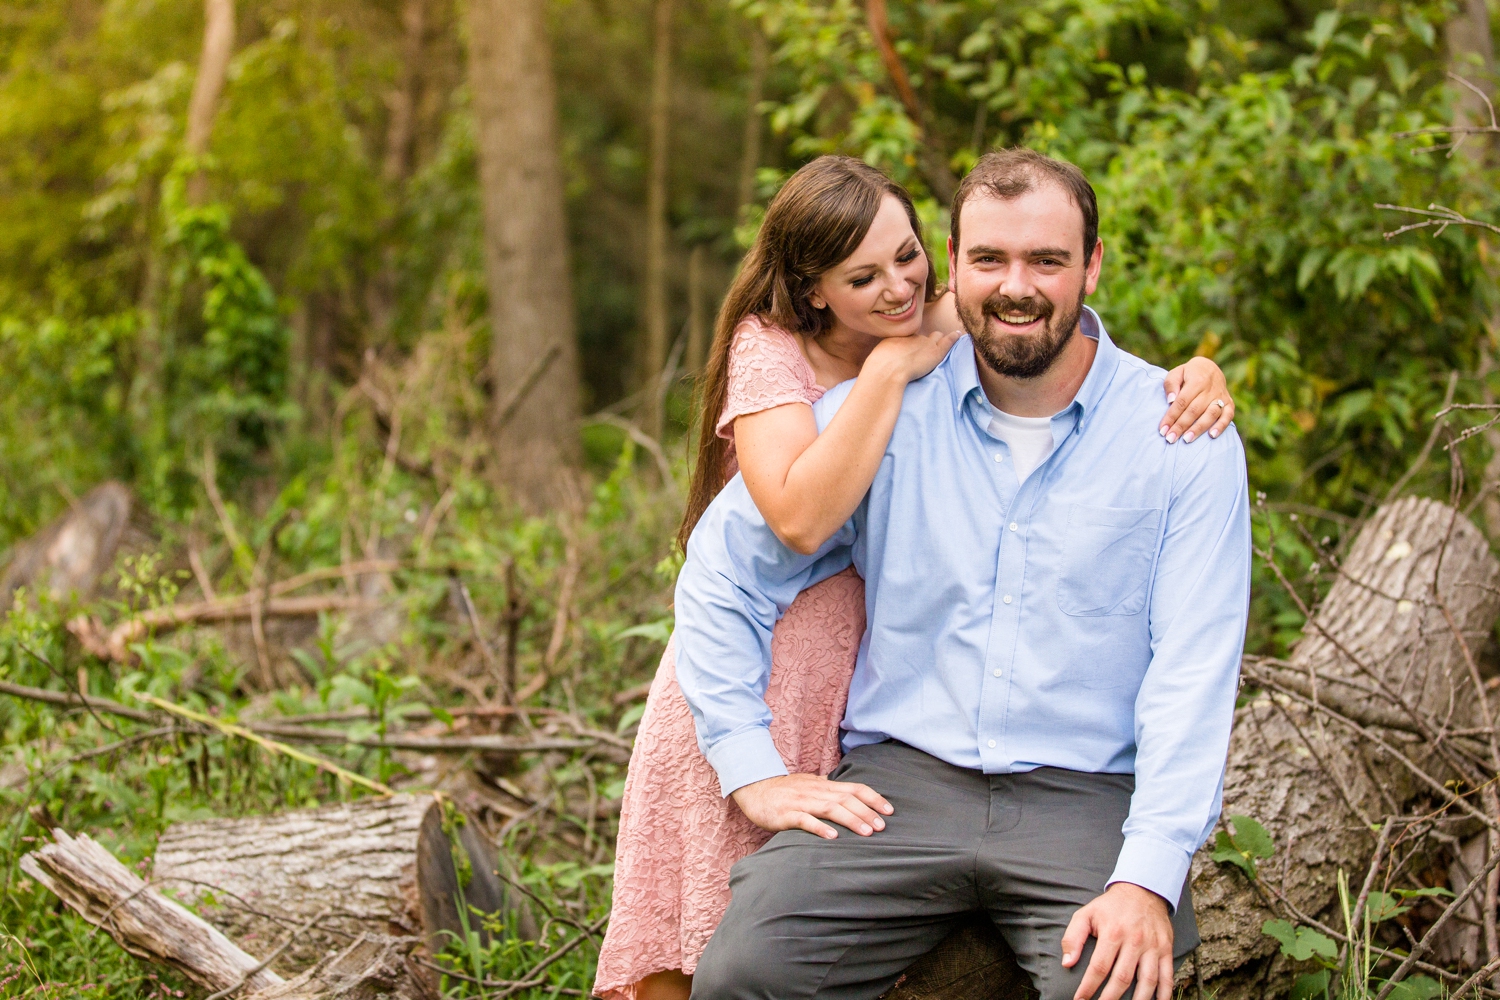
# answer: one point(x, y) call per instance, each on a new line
point(1007, 598)
point(1012, 526)
point(999, 458)
point(997, 673)
point(992, 744)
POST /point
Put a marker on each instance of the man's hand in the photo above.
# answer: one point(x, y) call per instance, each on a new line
point(799, 801)
point(1134, 931)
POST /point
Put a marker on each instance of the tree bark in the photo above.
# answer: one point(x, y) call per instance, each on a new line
point(526, 246)
point(698, 322)
point(760, 61)
point(213, 70)
point(403, 99)
point(70, 555)
point(655, 297)
point(145, 923)
point(1471, 55)
point(1316, 785)
point(384, 865)
point(934, 163)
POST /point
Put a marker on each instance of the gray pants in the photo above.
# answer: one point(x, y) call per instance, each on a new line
point(843, 918)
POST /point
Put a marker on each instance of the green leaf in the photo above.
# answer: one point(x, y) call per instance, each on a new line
point(1251, 838)
point(1383, 906)
point(631, 717)
point(657, 631)
point(1416, 988)
point(1432, 890)
point(1299, 943)
point(1225, 853)
point(441, 714)
point(1311, 986)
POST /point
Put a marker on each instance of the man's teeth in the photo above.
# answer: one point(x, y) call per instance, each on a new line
point(898, 310)
point(1018, 319)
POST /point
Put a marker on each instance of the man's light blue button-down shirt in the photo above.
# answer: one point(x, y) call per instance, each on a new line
point(1091, 618)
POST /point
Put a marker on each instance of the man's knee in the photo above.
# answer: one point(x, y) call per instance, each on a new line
point(732, 969)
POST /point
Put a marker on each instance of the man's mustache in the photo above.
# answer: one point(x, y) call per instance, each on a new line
point(1032, 305)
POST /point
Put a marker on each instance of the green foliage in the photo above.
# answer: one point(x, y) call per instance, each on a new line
point(1300, 943)
point(1242, 844)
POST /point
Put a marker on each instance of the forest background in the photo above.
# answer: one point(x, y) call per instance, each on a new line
point(419, 289)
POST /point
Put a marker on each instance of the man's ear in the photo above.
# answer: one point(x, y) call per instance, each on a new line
point(1096, 264)
point(952, 266)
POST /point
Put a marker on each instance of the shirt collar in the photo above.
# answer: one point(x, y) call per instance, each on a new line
point(965, 378)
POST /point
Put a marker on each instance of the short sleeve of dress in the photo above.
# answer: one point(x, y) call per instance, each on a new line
point(766, 369)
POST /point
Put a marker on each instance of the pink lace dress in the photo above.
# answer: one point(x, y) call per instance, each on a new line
point(678, 836)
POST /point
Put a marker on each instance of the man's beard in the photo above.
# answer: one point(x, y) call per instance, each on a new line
point(1015, 355)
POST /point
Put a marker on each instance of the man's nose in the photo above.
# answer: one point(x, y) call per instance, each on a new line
point(1015, 282)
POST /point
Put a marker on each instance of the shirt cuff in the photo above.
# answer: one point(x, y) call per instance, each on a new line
point(745, 758)
point(1154, 864)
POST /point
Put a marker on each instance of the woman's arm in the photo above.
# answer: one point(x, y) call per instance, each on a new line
point(1194, 391)
point(806, 484)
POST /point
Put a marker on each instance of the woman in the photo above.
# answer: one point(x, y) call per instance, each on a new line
point(837, 285)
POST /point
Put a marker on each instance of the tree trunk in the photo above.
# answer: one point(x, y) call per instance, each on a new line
point(403, 100)
point(387, 864)
point(698, 321)
point(1316, 785)
point(144, 922)
point(213, 70)
point(934, 162)
point(655, 297)
point(148, 925)
point(760, 61)
point(1471, 55)
point(69, 555)
point(533, 355)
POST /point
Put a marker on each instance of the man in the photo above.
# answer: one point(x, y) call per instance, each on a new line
point(1039, 718)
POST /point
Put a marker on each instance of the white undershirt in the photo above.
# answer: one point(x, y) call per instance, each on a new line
point(1030, 440)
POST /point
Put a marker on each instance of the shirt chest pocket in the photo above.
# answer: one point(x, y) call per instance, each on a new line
point(1107, 558)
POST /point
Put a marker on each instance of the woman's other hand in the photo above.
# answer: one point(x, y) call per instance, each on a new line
point(802, 801)
point(1200, 401)
point(910, 358)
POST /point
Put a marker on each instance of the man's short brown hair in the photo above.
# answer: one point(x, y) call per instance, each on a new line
point(1010, 173)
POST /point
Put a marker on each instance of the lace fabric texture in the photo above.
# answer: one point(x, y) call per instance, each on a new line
point(678, 837)
point(766, 369)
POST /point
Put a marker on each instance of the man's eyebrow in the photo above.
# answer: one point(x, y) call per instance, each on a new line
point(1057, 253)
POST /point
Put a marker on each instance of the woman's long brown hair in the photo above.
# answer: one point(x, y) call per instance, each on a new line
point(817, 219)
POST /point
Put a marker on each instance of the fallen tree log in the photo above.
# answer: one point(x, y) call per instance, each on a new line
point(1316, 759)
point(384, 865)
point(145, 923)
point(70, 555)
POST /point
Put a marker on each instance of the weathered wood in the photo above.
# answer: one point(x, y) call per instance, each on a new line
point(359, 857)
point(70, 554)
point(94, 883)
point(384, 866)
point(1312, 782)
point(371, 967)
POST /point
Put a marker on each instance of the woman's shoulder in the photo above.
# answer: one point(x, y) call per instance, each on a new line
point(766, 369)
